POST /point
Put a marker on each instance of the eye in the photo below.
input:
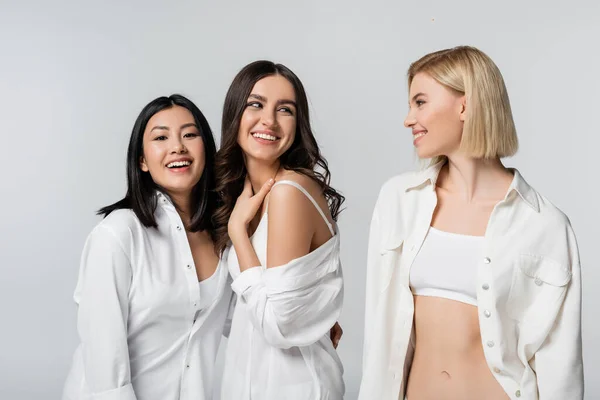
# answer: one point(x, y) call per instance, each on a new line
point(285, 110)
point(162, 137)
point(191, 135)
point(254, 104)
point(419, 103)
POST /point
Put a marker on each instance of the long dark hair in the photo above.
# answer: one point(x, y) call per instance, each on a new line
point(141, 189)
point(303, 156)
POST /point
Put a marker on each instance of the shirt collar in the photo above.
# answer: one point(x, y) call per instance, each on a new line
point(522, 188)
point(162, 199)
point(429, 176)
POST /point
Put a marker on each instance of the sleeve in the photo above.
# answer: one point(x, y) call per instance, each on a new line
point(102, 294)
point(371, 294)
point(559, 361)
point(295, 304)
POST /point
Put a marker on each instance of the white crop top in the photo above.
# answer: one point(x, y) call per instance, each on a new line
point(446, 266)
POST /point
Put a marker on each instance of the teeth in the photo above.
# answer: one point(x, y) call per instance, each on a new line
point(264, 136)
point(418, 135)
point(178, 164)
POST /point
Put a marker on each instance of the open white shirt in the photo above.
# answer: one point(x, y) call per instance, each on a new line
point(528, 291)
point(146, 332)
point(279, 346)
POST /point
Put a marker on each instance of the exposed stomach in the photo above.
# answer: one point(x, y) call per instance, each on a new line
point(449, 363)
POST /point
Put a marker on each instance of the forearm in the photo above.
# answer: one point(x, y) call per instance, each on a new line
point(245, 252)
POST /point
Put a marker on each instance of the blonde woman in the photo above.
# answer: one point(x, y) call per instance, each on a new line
point(473, 278)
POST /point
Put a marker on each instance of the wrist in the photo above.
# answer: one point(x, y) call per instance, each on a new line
point(237, 233)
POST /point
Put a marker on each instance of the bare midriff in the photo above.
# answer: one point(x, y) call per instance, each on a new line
point(449, 363)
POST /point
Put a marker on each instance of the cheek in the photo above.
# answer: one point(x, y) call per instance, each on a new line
point(153, 154)
point(438, 121)
point(246, 123)
point(198, 153)
point(288, 126)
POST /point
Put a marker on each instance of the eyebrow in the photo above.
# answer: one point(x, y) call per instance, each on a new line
point(279, 102)
point(417, 95)
point(166, 128)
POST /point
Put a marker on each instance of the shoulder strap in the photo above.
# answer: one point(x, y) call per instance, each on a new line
point(300, 188)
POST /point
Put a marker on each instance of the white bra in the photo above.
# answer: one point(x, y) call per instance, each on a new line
point(446, 266)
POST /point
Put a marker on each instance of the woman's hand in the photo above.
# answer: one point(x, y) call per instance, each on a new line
point(245, 209)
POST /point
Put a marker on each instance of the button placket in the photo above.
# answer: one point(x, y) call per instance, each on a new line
point(486, 312)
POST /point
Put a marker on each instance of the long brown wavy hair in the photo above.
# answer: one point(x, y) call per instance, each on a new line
point(303, 156)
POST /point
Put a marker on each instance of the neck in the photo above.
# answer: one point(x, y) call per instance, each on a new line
point(474, 178)
point(259, 172)
point(182, 203)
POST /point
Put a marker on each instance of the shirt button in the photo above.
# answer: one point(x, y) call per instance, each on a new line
point(538, 281)
point(485, 286)
point(178, 227)
point(518, 393)
point(187, 366)
point(487, 260)
point(487, 313)
point(490, 343)
point(497, 370)
point(195, 304)
point(189, 266)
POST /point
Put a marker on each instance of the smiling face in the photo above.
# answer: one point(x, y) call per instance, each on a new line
point(268, 123)
point(436, 116)
point(173, 151)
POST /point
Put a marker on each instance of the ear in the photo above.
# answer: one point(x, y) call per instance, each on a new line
point(463, 108)
point(143, 165)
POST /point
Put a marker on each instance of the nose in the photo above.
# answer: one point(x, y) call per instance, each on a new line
point(178, 147)
point(410, 120)
point(268, 119)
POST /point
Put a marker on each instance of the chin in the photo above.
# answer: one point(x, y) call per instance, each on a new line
point(264, 156)
point(181, 187)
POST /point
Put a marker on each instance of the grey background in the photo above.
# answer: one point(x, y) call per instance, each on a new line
point(73, 77)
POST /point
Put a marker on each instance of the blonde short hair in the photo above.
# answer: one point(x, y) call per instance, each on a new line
point(489, 129)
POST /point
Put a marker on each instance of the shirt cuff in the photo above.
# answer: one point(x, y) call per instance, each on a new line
point(122, 393)
point(246, 279)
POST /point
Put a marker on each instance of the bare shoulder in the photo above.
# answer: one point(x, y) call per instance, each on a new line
point(284, 192)
point(306, 182)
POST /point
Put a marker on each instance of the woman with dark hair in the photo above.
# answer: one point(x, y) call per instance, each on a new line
point(152, 296)
point(284, 255)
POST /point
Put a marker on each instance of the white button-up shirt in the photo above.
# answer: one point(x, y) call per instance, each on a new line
point(145, 332)
point(279, 347)
point(528, 288)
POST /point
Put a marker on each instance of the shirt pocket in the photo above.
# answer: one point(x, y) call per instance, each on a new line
point(538, 289)
point(390, 252)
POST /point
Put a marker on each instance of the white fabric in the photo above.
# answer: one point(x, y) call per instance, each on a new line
point(209, 288)
point(446, 266)
point(146, 332)
point(279, 346)
point(529, 280)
